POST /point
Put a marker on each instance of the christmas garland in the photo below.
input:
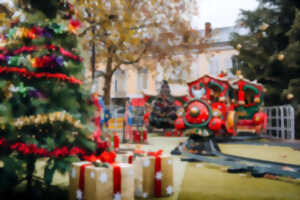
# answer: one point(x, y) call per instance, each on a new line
point(24, 72)
point(47, 118)
point(47, 31)
point(29, 149)
point(51, 47)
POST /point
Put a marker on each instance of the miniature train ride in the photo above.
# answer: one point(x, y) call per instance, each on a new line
point(219, 109)
point(222, 108)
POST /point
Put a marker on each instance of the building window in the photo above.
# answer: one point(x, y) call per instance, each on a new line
point(120, 81)
point(214, 65)
point(142, 79)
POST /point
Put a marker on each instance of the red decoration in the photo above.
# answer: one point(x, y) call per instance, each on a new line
point(28, 149)
point(108, 157)
point(116, 142)
point(145, 136)
point(130, 158)
point(157, 169)
point(81, 176)
point(117, 178)
point(27, 49)
point(69, 54)
point(201, 117)
point(136, 136)
point(24, 72)
point(258, 118)
point(179, 123)
point(215, 124)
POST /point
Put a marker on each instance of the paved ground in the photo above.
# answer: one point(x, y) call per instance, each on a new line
point(194, 181)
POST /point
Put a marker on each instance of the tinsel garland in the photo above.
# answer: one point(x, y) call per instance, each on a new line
point(51, 47)
point(24, 72)
point(47, 31)
point(47, 118)
point(29, 149)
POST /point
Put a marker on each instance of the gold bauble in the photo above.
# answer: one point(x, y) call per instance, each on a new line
point(264, 26)
point(238, 46)
point(290, 96)
point(280, 57)
point(257, 100)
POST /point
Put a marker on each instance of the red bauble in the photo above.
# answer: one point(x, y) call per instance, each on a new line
point(215, 124)
point(194, 117)
point(179, 123)
point(258, 118)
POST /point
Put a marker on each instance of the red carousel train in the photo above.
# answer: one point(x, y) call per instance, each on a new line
point(219, 106)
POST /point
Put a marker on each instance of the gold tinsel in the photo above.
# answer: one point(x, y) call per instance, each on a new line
point(47, 118)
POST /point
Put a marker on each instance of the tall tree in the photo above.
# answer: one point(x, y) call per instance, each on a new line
point(270, 51)
point(124, 32)
point(44, 112)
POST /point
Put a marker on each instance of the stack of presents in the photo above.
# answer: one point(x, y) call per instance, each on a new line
point(125, 175)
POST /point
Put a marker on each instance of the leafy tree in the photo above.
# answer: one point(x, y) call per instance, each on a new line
point(45, 110)
point(124, 32)
point(270, 51)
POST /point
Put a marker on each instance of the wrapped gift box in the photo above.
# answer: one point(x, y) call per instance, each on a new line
point(153, 176)
point(89, 182)
point(125, 157)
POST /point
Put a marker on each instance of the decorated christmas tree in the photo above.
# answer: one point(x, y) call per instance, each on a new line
point(45, 109)
point(164, 109)
point(269, 52)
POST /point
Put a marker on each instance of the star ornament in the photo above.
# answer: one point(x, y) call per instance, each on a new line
point(78, 194)
point(146, 163)
point(169, 190)
point(92, 175)
point(73, 173)
point(158, 175)
point(117, 196)
point(145, 195)
point(103, 178)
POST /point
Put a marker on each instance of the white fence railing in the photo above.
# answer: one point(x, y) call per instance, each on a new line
point(281, 122)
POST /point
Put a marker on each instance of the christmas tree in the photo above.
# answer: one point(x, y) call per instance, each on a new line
point(164, 109)
point(45, 109)
point(270, 51)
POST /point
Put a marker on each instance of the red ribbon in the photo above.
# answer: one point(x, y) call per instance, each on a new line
point(116, 142)
point(137, 136)
point(81, 176)
point(130, 157)
point(157, 169)
point(117, 178)
point(28, 74)
point(144, 136)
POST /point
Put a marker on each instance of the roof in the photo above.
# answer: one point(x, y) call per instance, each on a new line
point(223, 34)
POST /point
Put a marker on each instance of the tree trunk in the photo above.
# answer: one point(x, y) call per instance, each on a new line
point(93, 57)
point(29, 173)
point(107, 81)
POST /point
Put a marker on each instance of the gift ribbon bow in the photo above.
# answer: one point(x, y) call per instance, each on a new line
point(157, 170)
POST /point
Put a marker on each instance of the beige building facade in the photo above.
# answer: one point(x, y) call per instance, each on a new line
point(131, 81)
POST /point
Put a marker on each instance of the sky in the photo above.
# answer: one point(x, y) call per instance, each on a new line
point(221, 13)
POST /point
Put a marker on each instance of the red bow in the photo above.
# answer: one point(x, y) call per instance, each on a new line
point(156, 153)
point(157, 179)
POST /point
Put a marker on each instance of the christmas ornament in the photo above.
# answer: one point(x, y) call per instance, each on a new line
point(290, 96)
point(280, 57)
point(215, 124)
point(238, 46)
point(264, 26)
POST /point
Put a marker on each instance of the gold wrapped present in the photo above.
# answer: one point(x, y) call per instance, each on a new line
point(114, 182)
point(153, 175)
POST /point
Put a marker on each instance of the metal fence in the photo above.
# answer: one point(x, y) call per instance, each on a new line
point(281, 122)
